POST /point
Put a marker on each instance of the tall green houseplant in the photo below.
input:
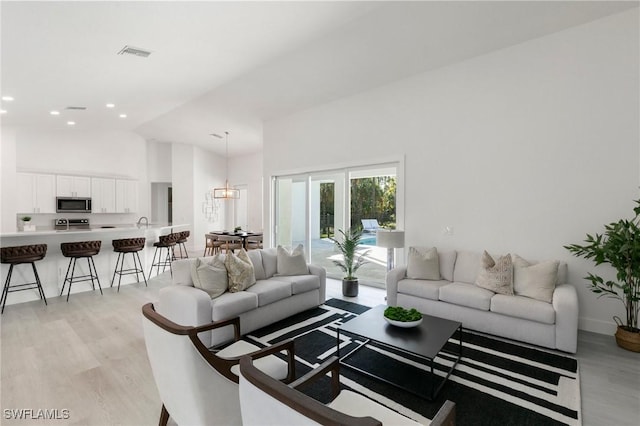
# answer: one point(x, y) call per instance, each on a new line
point(351, 261)
point(618, 246)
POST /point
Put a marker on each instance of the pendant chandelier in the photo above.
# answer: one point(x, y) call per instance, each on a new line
point(226, 193)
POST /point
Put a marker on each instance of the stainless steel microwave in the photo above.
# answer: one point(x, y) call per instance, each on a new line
point(73, 205)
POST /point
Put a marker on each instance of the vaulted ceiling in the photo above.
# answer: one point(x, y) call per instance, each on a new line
point(229, 66)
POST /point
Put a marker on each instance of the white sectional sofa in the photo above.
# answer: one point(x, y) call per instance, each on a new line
point(456, 296)
point(273, 297)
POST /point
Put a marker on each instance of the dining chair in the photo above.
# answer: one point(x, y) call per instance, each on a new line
point(254, 242)
point(265, 401)
point(212, 244)
point(230, 242)
point(197, 385)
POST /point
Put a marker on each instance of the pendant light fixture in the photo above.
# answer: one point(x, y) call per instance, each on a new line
point(226, 193)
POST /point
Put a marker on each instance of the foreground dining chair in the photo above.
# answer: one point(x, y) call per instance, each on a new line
point(199, 386)
point(264, 401)
point(230, 242)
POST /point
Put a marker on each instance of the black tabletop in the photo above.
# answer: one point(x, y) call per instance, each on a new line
point(426, 340)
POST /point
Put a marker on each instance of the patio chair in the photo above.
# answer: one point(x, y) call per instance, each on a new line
point(265, 401)
point(370, 225)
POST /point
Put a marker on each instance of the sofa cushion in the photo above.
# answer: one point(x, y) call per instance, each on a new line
point(210, 276)
point(496, 275)
point(301, 283)
point(537, 280)
point(468, 264)
point(270, 262)
point(240, 271)
point(469, 295)
point(292, 263)
point(447, 261)
point(423, 264)
point(426, 289)
point(269, 291)
point(256, 260)
point(523, 307)
point(231, 305)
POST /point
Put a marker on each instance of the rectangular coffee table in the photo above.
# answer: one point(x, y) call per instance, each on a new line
point(425, 342)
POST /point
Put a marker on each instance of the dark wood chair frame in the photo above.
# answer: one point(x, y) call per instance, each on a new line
point(222, 365)
point(315, 410)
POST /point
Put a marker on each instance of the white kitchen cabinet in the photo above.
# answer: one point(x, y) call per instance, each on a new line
point(73, 186)
point(126, 196)
point(103, 195)
point(36, 193)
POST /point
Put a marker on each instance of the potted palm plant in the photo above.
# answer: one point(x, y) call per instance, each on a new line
point(618, 246)
point(351, 261)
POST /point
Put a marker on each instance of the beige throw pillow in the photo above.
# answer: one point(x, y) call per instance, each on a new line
point(537, 281)
point(240, 271)
point(423, 263)
point(210, 277)
point(293, 263)
point(496, 275)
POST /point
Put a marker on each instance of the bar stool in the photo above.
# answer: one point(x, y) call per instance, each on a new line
point(15, 256)
point(182, 239)
point(167, 242)
point(122, 247)
point(79, 250)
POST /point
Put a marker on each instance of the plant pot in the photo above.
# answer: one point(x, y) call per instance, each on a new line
point(629, 340)
point(350, 288)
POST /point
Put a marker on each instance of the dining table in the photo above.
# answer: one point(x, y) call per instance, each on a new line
point(242, 235)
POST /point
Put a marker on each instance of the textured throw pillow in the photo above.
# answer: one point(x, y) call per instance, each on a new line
point(537, 280)
point(293, 263)
point(210, 277)
point(240, 271)
point(423, 263)
point(496, 275)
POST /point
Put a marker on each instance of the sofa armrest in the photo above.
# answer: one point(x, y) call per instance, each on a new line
point(322, 275)
point(393, 276)
point(186, 305)
point(565, 303)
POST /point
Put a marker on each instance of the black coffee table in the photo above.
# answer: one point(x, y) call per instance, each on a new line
point(425, 342)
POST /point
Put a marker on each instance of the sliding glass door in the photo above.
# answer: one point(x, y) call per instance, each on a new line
point(311, 208)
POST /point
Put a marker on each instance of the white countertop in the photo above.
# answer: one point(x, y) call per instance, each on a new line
point(97, 230)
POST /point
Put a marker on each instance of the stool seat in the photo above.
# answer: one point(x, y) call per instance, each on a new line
point(124, 246)
point(80, 250)
point(17, 255)
point(180, 242)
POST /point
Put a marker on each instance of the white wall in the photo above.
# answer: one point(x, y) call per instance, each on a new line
point(522, 150)
point(159, 161)
point(247, 170)
point(7, 180)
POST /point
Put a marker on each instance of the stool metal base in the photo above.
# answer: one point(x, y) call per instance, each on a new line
point(135, 270)
point(93, 275)
point(21, 287)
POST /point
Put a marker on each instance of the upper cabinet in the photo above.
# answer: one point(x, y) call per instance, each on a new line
point(103, 195)
point(126, 196)
point(73, 186)
point(36, 193)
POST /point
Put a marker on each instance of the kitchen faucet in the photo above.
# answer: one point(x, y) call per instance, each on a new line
point(146, 220)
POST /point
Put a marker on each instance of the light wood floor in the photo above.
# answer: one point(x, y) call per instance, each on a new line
point(87, 356)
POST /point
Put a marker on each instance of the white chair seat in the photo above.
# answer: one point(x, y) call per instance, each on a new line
point(356, 405)
point(272, 365)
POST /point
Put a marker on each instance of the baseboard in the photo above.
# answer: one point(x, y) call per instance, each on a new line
point(597, 326)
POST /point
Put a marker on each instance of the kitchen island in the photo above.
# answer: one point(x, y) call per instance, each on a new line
point(53, 267)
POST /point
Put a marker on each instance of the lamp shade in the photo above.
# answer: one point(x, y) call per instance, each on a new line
point(389, 239)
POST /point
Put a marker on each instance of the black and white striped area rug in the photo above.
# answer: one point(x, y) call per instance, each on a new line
point(495, 383)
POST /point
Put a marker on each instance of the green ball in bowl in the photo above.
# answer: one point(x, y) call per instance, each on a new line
point(398, 313)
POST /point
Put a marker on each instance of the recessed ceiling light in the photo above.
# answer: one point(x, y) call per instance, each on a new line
point(123, 115)
point(71, 123)
point(54, 112)
point(7, 98)
point(3, 111)
point(110, 105)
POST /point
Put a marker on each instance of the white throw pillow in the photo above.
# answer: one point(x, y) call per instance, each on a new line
point(496, 275)
point(537, 281)
point(423, 263)
point(293, 263)
point(210, 277)
point(240, 271)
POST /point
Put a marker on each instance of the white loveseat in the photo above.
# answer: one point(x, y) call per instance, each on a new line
point(273, 297)
point(456, 296)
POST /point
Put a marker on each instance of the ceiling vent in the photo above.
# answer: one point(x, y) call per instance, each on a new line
point(136, 51)
point(76, 108)
point(215, 135)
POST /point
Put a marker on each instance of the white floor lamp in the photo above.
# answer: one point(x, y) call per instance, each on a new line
point(391, 240)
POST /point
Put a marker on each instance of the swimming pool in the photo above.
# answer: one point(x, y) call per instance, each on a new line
point(369, 241)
